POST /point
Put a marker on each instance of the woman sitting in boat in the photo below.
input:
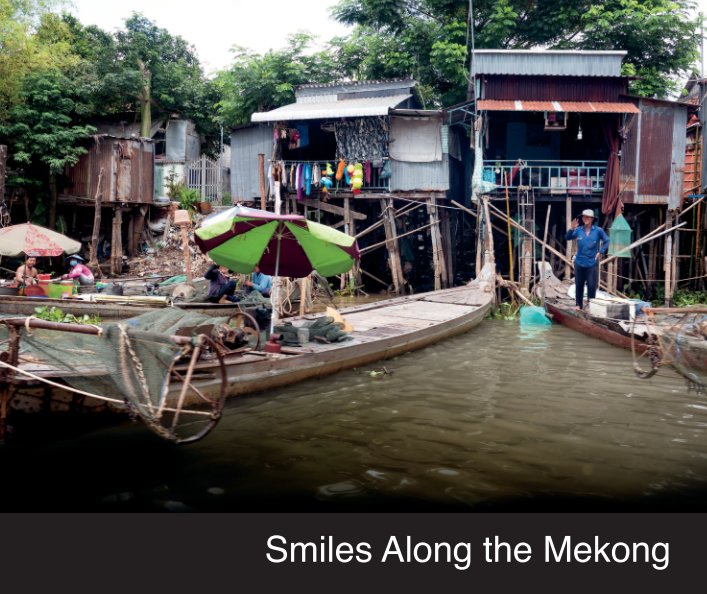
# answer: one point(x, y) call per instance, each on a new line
point(259, 282)
point(79, 271)
point(27, 273)
point(220, 285)
point(592, 243)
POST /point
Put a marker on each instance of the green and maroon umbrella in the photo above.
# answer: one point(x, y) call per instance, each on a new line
point(281, 245)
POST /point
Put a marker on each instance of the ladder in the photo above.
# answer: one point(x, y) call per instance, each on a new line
point(526, 256)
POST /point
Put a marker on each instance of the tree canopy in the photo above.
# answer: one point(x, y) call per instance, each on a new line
point(260, 82)
point(430, 39)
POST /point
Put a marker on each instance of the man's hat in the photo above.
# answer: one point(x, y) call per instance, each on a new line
point(75, 257)
point(588, 213)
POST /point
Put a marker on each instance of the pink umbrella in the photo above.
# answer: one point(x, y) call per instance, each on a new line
point(33, 240)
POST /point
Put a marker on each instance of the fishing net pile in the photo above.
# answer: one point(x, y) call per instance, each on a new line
point(677, 340)
point(324, 329)
point(135, 362)
point(685, 344)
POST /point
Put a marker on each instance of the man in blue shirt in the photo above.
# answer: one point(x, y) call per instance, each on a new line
point(259, 282)
point(589, 250)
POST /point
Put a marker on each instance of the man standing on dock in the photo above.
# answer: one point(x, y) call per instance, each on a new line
point(586, 265)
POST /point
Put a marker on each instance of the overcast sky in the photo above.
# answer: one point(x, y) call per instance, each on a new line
point(214, 26)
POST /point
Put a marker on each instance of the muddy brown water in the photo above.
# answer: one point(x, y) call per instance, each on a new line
point(499, 418)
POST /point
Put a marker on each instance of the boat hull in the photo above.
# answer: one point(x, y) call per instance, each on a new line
point(381, 330)
point(579, 322)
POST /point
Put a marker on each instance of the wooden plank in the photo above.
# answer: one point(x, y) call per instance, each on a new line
point(332, 208)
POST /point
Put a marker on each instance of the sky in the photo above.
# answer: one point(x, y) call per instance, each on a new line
point(214, 26)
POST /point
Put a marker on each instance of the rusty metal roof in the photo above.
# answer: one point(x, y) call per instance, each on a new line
point(569, 106)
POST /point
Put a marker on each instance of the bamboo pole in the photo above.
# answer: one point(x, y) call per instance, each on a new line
point(369, 248)
point(646, 239)
point(542, 253)
point(510, 236)
point(473, 214)
point(261, 172)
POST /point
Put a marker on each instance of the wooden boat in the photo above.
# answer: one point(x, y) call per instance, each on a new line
point(381, 330)
point(561, 309)
point(114, 310)
point(615, 332)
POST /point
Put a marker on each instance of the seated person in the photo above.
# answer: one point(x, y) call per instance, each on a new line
point(79, 271)
point(259, 282)
point(220, 284)
point(27, 273)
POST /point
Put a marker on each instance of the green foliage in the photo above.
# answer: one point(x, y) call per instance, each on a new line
point(506, 311)
point(429, 39)
point(42, 127)
point(54, 314)
point(188, 198)
point(686, 298)
point(260, 82)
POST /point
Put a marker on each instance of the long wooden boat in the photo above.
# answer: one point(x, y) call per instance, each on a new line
point(615, 332)
point(109, 311)
point(381, 330)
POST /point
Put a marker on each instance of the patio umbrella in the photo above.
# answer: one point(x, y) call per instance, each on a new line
point(33, 240)
point(281, 245)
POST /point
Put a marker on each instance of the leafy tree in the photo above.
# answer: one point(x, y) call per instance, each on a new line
point(42, 130)
point(21, 51)
point(429, 39)
point(161, 70)
point(260, 82)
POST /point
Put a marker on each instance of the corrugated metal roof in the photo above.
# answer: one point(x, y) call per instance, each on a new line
point(549, 62)
point(569, 106)
point(350, 108)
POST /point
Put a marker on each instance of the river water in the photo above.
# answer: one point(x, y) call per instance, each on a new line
point(498, 419)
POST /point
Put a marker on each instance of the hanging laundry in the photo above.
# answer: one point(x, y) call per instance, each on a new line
point(283, 174)
point(316, 174)
point(348, 172)
point(292, 176)
point(271, 183)
point(294, 139)
point(328, 171)
point(298, 182)
point(340, 170)
point(307, 179)
point(367, 172)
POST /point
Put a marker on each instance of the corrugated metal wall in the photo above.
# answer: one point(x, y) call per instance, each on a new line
point(128, 171)
point(566, 88)
point(653, 154)
point(538, 63)
point(422, 177)
point(246, 144)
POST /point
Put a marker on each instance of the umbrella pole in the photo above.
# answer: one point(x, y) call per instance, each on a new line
point(275, 295)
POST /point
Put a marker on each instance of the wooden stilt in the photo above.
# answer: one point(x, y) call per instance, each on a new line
point(93, 248)
point(392, 244)
point(447, 245)
point(479, 234)
point(668, 268)
point(438, 261)
point(131, 234)
point(116, 248)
